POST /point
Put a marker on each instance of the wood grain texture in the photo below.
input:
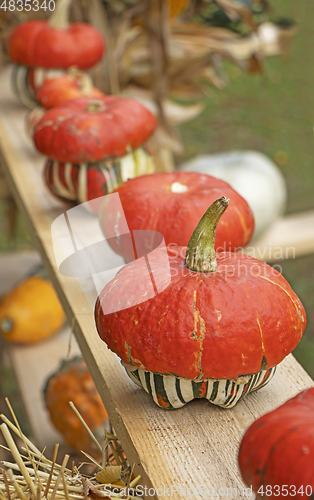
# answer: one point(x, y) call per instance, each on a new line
point(289, 237)
point(192, 447)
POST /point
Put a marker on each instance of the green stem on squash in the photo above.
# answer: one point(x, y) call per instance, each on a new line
point(200, 253)
point(60, 17)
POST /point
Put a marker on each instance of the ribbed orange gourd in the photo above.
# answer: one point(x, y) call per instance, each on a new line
point(73, 382)
point(276, 455)
point(205, 324)
point(31, 312)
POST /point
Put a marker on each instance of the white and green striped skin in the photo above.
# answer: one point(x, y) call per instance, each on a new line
point(22, 88)
point(114, 170)
point(171, 392)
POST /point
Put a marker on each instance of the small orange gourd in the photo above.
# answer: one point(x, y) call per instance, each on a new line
point(73, 382)
point(31, 312)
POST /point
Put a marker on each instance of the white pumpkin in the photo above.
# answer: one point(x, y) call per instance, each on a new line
point(254, 176)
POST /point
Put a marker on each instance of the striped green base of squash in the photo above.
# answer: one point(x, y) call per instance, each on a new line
point(86, 182)
point(27, 80)
point(171, 392)
point(21, 86)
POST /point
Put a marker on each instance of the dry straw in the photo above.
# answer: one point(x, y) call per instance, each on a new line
point(32, 476)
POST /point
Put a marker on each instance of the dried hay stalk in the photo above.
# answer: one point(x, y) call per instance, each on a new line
point(34, 477)
point(167, 57)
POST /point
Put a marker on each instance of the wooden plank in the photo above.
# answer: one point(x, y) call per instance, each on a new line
point(189, 448)
point(289, 237)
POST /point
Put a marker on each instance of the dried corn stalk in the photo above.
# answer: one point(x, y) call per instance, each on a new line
point(158, 56)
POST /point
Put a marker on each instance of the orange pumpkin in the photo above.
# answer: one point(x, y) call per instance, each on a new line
point(276, 456)
point(41, 49)
point(72, 85)
point(55, 91)
point(31, 312)
point(197, 323)
point(73, 382)
point(93, 145)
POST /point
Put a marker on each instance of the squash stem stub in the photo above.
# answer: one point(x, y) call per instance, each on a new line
point(94, 106)
point(84, 80)
point(59, 19)
point(200, 253)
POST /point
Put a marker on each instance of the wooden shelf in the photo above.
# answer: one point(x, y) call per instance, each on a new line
point(290, 237)
point(192, 447)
